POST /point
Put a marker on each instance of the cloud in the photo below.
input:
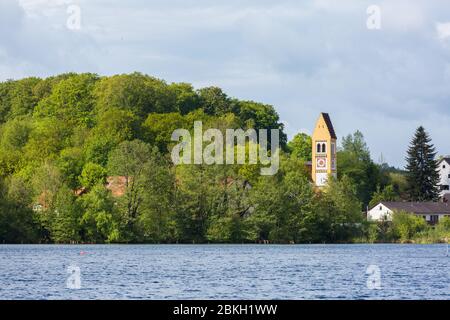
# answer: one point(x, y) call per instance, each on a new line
point(443, 30)
point(302, 57)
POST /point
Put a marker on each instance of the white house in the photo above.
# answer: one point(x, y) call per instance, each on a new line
point(444, 176)
point(432, 212)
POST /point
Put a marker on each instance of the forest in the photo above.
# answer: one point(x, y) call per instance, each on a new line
point(86, 159)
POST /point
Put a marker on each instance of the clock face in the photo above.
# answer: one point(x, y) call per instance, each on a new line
point(321, 179)
point(321, 163)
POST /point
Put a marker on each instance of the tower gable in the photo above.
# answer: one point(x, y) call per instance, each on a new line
point(324, 128)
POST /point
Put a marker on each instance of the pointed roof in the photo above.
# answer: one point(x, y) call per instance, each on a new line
point(446, 159)
point(327, 119)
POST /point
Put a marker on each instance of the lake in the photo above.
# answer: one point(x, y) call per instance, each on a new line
point(378, 271)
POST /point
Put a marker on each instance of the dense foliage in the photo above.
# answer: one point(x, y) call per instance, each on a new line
point(85, 158)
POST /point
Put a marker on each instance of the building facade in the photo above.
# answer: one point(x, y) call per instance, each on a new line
point(444, 176)
point(323, 151)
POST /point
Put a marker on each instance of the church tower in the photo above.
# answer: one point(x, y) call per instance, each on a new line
point(323, 151)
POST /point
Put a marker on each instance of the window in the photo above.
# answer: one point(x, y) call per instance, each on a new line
point(321, 147)
point(449, 176)
point(443, 166)
point(333, 148)
point(445, 187)
point(381, 208)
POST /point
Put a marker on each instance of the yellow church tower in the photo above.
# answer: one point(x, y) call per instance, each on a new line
point(323, 151)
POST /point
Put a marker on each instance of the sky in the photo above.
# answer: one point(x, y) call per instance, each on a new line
point(302, 57)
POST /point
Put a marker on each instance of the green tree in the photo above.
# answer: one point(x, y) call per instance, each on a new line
point(71, 101)
point(354, 162)
point(196, 200)
point(158, 128)
point(65, 217)
point(386, 194)
point(92, 175)
point(100, 222)
point(338, 217)
point(14, 135)
point(214, 101)
point(156, 221)
point(422, 167)
point(138, 93)
point(137, 163)
point(283, 205)
point(22, 97)
point(405, 225)
point(187, 99)
point(17, 221)
point(70, 164)
point(301, 146)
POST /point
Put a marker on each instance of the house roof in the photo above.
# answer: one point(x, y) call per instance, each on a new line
point(419, 207)
point(446, 197)
point(117, 185)
point(330, 127)
point(446, 159)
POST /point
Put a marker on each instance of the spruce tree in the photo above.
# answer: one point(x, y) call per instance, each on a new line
point(422, 167)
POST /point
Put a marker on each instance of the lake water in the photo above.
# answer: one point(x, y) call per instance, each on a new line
point(225, 272)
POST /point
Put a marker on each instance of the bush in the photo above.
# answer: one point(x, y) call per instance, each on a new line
point(405, 226)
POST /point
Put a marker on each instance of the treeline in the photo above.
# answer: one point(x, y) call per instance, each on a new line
point(63, 139)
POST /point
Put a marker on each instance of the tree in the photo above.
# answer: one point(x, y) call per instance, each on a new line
point(64, 217)
point(22, 97)
point(259, 116)
point(156, 220)
point(357, 145)
point(338, 216)
point(386, 194)
point(92, 174)
point(17, 221)
point(354, 161)
point(301, 146)
point(187, 99)
point(422, 167)
point(100, 221)
point(214, 101)
point(283, 205)
point(113, 126)
point(71, 101)
point(196, 200)
point(406, 225)
point(148, 187)
point(14, 135)
point(158, 128)
point(138, 93)
point(70, 164)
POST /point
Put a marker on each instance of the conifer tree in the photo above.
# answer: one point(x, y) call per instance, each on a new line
point(422, 167)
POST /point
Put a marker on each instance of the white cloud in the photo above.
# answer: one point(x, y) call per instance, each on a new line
point(302, 57)
point(443, 30)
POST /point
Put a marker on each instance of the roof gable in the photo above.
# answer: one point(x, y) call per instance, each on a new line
point(446, 159)
point(324, 128)
point(330, 127)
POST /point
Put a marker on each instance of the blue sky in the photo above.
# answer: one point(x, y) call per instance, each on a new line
point(303, 57)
